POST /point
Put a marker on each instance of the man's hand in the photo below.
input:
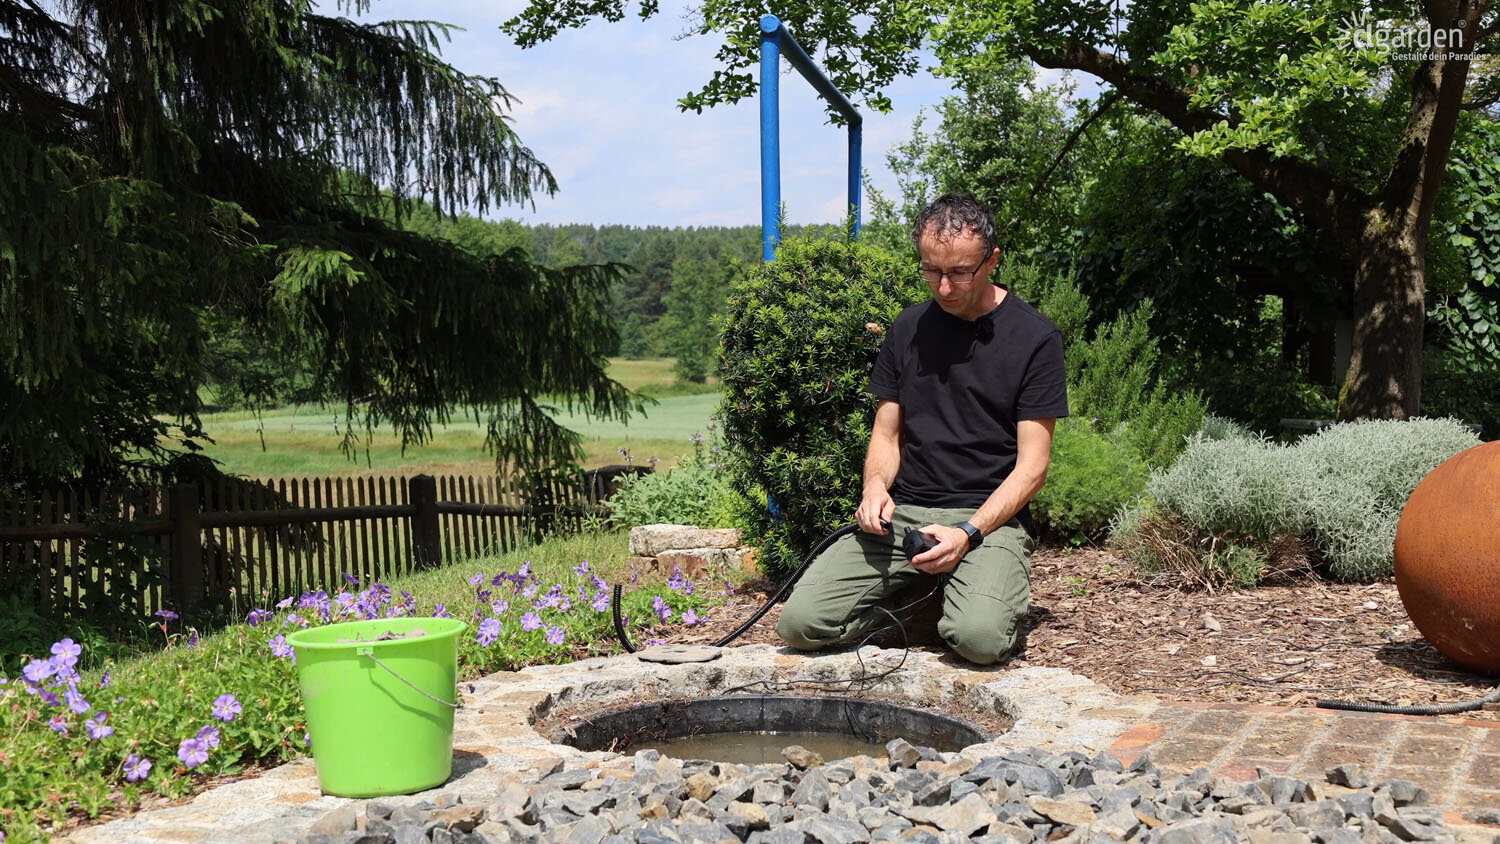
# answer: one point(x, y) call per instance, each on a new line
point(953, 544)
point(874, 508)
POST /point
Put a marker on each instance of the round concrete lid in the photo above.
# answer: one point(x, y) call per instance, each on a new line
point(677, 654)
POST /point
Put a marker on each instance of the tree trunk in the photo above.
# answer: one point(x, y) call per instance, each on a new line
point(1390, 284)
point(1385, 368)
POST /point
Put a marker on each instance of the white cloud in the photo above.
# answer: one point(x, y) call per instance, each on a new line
point(599, 105)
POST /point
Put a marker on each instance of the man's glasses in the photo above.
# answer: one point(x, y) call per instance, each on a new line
point(954, 276)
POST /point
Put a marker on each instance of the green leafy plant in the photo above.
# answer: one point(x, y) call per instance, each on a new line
point(1091, 476)
point(798, 341)
point(695, 492)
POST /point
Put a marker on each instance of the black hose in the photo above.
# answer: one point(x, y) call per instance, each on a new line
point(806, 561)
point(1433, 709)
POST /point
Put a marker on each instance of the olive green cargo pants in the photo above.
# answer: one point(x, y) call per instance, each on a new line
point(838, 598)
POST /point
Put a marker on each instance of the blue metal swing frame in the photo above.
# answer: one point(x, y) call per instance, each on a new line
point(776, 41)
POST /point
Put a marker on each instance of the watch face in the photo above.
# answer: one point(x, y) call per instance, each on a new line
point(975, 537)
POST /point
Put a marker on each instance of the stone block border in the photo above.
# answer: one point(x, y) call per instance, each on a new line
point(496, 737)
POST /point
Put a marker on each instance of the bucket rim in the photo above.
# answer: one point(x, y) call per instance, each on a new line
point(453, 625)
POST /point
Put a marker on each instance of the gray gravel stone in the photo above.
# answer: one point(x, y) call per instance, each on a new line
point(1348, 774)
point(1360, 804)
point(1404, 792)
point(902, 754)
point(1018, 797)
point(1490, 816)
point(835, 831)
point(1198, 831)
point(1317, 815)
point(814, 790)
point(335, 823)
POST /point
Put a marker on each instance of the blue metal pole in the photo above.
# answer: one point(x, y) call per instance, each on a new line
point(855, 139)
point(770, 136)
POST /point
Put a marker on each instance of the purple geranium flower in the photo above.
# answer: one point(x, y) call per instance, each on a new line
point(226, 707)
point(192, 752)
point(440, 610)
point(689, 618)
point(136, 768)
point(582, 568)
point(284, 603)
point(489, 631)
point(192, 641)
point(105, 679)
point(476, 578)
point(97, 729)
point(554, 635)
point(208, 736)
point(525, 570)
point(279, 646)
point(601, 602)
point(564, 605)
point(76, 701)
point(499, 606)
point(38, 670)
point(167, 615)
point(257, 617)
point(530, 621)
point(66, 653)
point(661, 609)
point(58, 725)
point(351, 578)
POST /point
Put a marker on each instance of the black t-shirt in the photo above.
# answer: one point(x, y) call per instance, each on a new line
point(962, 387)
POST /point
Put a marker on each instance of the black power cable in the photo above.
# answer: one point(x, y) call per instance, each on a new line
point(1433, 709)
point(735, 634)
point(915, 543)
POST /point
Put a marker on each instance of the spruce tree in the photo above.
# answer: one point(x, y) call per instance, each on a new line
point(176, 173)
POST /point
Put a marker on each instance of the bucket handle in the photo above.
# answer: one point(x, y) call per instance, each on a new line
point(367, 652)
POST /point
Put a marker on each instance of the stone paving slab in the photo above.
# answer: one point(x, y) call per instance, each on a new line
point(1456, 759)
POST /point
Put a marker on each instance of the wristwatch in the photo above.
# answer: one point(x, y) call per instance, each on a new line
point(975, 537)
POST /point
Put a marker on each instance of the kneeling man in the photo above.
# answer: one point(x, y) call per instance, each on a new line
point(970, 385)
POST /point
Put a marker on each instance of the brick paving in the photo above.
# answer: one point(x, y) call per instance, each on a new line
point(1456, 759)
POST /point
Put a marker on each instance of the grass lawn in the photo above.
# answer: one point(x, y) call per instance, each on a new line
point(305, 440)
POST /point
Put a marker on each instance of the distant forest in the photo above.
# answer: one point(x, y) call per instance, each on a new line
point(676, 281)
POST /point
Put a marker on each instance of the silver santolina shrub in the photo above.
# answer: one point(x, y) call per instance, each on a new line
point(1341, 490)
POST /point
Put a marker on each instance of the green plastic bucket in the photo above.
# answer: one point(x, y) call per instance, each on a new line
point(380, 713)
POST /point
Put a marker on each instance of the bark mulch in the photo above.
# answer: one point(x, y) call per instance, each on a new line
point(1282, 645)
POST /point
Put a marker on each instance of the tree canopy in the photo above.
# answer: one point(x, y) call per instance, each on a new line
point(186, 183)
point(1350, 132)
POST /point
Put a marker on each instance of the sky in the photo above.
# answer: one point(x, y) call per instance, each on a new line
point(599, 106)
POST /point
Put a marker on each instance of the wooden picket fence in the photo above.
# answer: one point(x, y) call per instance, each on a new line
point(254, 542)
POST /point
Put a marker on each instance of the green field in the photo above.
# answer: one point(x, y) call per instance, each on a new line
point(305, 440)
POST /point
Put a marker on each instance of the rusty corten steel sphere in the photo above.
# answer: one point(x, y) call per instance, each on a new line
point(1448, 557)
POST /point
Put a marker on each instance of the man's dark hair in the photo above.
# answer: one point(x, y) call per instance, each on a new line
point(954, 213)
